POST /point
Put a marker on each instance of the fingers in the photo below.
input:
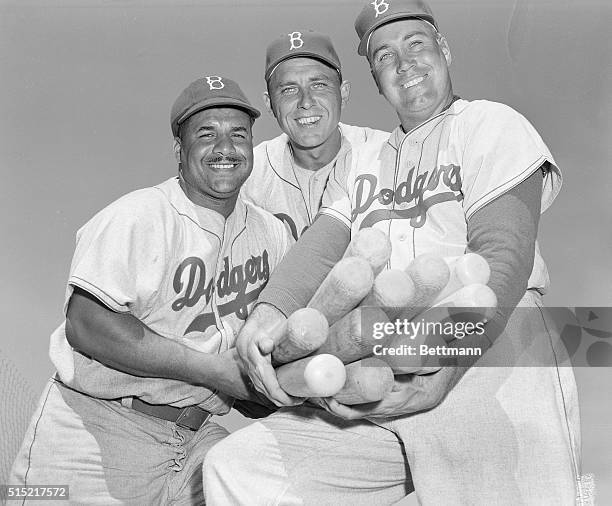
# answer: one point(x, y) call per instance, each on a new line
point(263, 377)
point(420, 370)
point(334, 407)
point(266, 346)
point(350, 412)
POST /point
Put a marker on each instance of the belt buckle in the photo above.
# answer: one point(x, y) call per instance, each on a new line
point(192, 418)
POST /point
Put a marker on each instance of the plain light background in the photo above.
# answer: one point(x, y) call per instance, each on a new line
point(86, 89)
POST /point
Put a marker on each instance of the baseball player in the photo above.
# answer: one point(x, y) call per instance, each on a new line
point(455, 176)
point(306, 94)
point(160, 282)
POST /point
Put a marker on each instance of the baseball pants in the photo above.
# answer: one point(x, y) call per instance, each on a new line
point(111, 454)
point(504, 435)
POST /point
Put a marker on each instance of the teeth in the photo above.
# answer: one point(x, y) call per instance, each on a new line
point(309, 120)
point(413, 82)
point(222, 165)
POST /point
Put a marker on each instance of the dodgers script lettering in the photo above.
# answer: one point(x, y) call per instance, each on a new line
point(410, 191)
point(190, 282)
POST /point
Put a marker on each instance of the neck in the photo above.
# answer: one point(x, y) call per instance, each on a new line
point(223, 206)
point(412, 119)
point(319, 156)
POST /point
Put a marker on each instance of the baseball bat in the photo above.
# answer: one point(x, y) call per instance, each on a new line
point(429, 274)
point(351, 337)
point(344, 288)
point(393, 291)
point(471, 304)
point(367, 380)
point(316, 376)
point(372, 245)
point(465, 270)
point(475, 299)
point(302, 333)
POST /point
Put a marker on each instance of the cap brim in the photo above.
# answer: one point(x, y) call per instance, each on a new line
point(218, 102)
point(363, 43)
point(303, 54)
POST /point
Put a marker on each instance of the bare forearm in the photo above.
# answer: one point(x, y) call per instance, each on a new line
point(123, 342)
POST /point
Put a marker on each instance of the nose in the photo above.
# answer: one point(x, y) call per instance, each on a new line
point(224, 145)
point(306, 100)
point(405, 63)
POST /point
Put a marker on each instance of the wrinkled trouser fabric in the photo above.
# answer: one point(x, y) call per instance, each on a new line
point(111, 454)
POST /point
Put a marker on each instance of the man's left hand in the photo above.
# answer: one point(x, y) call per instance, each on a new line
point(410, 394)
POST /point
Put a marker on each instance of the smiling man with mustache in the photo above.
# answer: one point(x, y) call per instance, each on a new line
point(160, 282)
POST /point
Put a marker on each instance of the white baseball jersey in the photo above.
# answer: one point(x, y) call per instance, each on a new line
point(293, 194)
point(421, 187)
point(183, 270)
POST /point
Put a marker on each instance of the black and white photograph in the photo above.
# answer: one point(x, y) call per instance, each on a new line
point(306, 252)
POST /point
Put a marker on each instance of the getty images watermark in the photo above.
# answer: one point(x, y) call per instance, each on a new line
point(534, 336)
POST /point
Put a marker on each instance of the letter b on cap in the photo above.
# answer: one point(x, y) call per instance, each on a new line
point(214, 82)
point(381, 7)
point(295, 38)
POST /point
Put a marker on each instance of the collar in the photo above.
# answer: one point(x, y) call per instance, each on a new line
point(398, 135)
point(280, 155)
point(202, 216)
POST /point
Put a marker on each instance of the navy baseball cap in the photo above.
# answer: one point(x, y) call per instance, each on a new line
point(305, 44)
point(206, 92)
point(381, 12)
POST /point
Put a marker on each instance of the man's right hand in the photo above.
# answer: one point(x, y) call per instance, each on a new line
point(255, 344)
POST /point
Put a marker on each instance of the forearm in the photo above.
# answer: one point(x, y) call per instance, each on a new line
point(504, 233)
point(123, 342)
point(305, 266)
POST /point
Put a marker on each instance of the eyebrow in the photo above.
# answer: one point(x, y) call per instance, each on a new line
point(210, 128)
point(317, 77)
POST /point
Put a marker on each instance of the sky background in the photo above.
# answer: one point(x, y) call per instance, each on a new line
point(87, 86)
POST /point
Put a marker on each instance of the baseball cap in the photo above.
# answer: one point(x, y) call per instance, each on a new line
point(206, 92)
point(308, 44)
point(380, 12)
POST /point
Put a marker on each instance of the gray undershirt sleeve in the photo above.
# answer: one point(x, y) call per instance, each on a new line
point(305, 266)
point(504, 233)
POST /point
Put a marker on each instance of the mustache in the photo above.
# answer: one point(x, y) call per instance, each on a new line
point(225, 159)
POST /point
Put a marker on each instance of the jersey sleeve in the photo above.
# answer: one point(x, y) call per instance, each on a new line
point(502, 150)
point(120, 254)
point(336, 200)
point(283, 240)
point(253, 189)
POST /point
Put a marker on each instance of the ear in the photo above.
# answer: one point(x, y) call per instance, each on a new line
point(268, 102)
point(443, 44)
point(176, 147)
point(345, 92)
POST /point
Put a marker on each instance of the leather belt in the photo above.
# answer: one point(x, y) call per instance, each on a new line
point(192, 417)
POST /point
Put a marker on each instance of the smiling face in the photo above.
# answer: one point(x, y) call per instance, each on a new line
point(306, 98)
point(215, 150)
point(409, 61)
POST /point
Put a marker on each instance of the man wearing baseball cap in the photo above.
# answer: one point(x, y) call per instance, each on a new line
point(160, 281)
point(306, 94)
point(457, 176)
